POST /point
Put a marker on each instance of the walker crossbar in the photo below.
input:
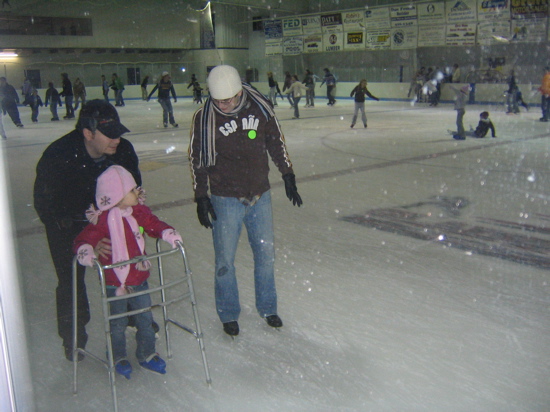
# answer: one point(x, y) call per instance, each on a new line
point(164, 303)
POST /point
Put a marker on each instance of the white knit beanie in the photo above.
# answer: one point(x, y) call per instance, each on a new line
point(224, 82)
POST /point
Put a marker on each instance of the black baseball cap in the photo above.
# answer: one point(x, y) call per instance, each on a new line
point(105, 116)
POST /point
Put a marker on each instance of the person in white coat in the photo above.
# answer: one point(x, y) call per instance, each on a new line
point(295, 91)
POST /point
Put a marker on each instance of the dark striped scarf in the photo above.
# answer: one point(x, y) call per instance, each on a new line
point(208, 120)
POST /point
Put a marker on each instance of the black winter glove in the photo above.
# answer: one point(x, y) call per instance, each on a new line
point(291, 189)
point(204, 208)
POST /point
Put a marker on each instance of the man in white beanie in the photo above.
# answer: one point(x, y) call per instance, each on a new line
point(231, 137)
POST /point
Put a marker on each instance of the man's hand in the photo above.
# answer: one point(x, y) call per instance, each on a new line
point(205, 208)
point(103, 248)
point(291, 189)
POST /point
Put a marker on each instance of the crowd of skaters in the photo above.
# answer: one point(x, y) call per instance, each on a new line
point(425, 87)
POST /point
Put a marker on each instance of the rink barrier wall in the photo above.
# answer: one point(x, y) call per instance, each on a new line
point(484, 93)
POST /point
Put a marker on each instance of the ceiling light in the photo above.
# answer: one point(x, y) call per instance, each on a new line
point(8, 53)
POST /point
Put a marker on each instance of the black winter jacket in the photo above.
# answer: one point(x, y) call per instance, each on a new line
point(360, 93)
point(66, 178)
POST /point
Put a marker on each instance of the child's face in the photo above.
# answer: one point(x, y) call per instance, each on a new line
point(131, 199)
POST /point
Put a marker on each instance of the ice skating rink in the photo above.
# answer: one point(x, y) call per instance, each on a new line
point(414, 277)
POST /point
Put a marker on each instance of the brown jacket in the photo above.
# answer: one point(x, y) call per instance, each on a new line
point(243, 143)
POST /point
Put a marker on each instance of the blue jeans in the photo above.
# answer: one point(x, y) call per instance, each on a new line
point(359, 107)
point(145, 336)
point(296, 110)
point(258, 219)
point(273, 95)
point(545, 106)
point(460, 122)
point(69, 109)
point(512, 101)
point(167, 111)
point(119, 100)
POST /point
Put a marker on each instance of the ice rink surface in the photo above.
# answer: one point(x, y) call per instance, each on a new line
point(414, 277)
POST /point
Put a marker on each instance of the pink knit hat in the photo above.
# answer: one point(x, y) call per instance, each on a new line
point(112, 186)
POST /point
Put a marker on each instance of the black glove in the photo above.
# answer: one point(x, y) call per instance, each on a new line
point(204, 207)
point(291, 189)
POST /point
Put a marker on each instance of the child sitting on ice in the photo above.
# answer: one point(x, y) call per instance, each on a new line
point(121, 216)
point(483, 126)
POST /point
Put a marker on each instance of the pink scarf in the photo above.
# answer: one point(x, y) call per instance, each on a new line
point(119, 245)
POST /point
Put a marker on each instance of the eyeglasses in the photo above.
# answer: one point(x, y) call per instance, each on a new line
point(225, 101)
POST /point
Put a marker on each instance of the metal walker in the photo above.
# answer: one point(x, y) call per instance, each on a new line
point(109, 362)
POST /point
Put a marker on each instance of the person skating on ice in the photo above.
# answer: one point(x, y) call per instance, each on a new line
point(120, 215)
point(359, 92)
point(232, 137)
point(165, 88)
point(460, 107)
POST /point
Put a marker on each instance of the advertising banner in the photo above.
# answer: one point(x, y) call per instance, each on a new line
point(311, 24)
point(529, 30)
point(333, 42)
point(529, 9)
point(493, 10)
point(459, 11)
point(273, 29)
point(493, 32)
point(463, 34)
point(353, 20)
point(404, 38)
point(377, 18)
point(431, 13)
point(273, 48)
point(378, 40)
point(403, 16)
point(354, 40)
point(293, 45)
point(313, 43)
point(332, 23)
point(292, 27)
point(431, 36)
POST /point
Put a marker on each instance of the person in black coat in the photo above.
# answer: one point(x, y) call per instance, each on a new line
point(67, 93)
point(52, 98)
point(9, 99)
point(65, 187)
point(485, 124)
point(144, 84)
point(34, 101)
point(359, 92)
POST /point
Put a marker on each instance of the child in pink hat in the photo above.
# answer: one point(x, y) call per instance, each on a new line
point(122, 217)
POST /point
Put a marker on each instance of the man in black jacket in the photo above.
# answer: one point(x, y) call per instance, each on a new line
point(9, 100)
point(67, 93)
point(65, 187)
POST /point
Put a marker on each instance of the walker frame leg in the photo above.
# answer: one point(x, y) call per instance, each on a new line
point(107, 317)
